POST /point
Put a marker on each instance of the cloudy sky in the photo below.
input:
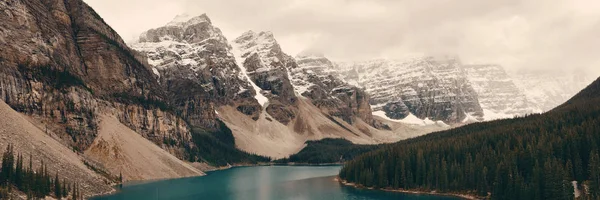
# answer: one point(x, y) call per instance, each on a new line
point(518, 34)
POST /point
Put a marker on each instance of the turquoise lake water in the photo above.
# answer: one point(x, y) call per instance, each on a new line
point(260, 183)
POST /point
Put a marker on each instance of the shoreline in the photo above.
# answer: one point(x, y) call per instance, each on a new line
point(434, 193)
point(292, 164)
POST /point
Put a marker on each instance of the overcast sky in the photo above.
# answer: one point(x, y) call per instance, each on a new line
point(518, 34)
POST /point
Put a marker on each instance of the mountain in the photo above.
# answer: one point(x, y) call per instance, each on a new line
point(591, 93)
point(190, 54)
point(314, 78)
point(545, 91)
point(68, 72)
point(498, 94)
point(427, 87)
point(248, 94)
point(266, 66)
point(539, 156)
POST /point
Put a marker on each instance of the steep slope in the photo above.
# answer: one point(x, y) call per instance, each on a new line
point(194, 64)
point(589, 93)
point(266, 65)
point(433, 88)
point(28, 139)
point(123, 151)
point(59, 58)
point(498, 95)
point(541, 156)
point(314, 78)
point(62, 65)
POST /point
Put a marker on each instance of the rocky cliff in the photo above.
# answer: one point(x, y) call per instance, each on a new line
point(498, 95)
point(314, 77)
point(196, 68)
point(433, 88)
point(271, 102)
point(265, 64)
point(61, 64)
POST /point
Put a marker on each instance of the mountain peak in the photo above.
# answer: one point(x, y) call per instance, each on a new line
point(186, 20)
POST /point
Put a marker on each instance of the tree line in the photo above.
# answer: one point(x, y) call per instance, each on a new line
point(541, 156)
point(35, 183)
point(328, 150)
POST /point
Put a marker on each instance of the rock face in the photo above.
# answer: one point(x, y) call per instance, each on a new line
point(195, 66)
point(498, 94)
point(265, 64)
point(314, 77)
point(434, 88)
point(61, 64)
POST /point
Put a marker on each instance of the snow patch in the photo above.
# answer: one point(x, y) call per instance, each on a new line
point(469, 119)
point(262, 100)
point(428, 121)
point(489, 115)
point(411, 119)
point(155, 71)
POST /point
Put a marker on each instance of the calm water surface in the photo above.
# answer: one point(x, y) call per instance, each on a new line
point(261, 183)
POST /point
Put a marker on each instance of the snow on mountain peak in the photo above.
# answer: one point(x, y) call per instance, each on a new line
point(263, 44)
point(187, 20)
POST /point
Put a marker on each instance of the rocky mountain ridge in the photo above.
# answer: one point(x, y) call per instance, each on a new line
point(499, 93)
point(432, 88)
point(499, 96)
point(255, 88)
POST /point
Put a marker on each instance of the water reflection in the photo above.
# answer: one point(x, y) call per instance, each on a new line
point(263, 183)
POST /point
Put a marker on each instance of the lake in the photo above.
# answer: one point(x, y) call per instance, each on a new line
point(261, 183)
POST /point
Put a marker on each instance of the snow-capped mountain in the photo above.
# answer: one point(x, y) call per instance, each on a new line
point(270, 102)
point(314, 78)
point(498, 95)
point(264, 63)
point(427, 87)
point(194, 63)
point(545, 91)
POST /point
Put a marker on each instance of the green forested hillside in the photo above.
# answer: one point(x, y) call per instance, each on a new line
point(328, 150)
point(217, 148)
point(531, 157)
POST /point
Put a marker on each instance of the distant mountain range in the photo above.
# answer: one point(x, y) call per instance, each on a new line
point(445, 89)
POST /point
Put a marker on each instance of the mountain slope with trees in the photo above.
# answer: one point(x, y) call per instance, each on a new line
point(329, 150)
point(531, 157)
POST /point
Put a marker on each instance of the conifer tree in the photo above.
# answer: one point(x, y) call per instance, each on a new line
point(64, 191)
point(57, 187)
point(594, 175)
